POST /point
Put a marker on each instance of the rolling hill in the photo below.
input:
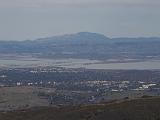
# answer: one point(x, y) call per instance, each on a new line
point(138, 109)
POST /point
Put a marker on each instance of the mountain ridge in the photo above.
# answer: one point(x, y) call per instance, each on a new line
point(85, 45)
point(83, 34)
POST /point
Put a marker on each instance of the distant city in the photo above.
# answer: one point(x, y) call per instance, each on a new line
point(77, 69)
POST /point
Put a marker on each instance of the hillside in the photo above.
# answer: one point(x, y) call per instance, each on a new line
point(139, 109)
point(84, 45)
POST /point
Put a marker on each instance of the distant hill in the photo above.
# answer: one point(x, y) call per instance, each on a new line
point(139, 109)
point(84, 45)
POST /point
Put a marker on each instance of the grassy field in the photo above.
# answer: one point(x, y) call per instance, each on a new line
point(138, 109)
point(12, 98)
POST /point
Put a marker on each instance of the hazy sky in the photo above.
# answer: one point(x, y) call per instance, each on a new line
point(30, 19)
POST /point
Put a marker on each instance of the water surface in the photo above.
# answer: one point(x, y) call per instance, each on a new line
point(80, 63)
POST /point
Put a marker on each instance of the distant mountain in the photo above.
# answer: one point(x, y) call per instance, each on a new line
point(84, 45)
point(78, 38)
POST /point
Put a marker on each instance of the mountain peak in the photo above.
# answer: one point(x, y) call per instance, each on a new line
point(90, 34)
point(80, 36)
point(87, 33)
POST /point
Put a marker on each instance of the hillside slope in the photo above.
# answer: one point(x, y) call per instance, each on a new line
point(140, 109)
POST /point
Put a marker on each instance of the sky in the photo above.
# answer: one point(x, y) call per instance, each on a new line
point(32, 19)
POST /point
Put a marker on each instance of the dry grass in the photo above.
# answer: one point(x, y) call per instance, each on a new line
point(21, 97)
point(139, 109)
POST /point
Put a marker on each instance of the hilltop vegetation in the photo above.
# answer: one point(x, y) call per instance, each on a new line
point(146, 108)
